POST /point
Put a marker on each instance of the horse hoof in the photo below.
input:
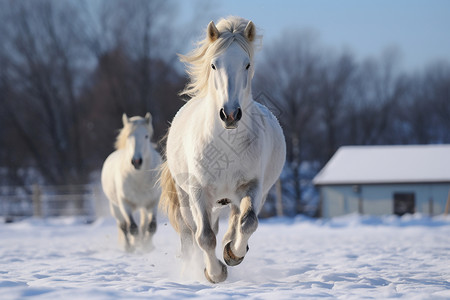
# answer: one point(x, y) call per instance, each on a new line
point(229, 257)
point(219, 278)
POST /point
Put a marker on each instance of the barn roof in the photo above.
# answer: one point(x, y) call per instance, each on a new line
point(387, 164)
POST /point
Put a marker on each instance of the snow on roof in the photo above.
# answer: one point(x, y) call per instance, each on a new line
point(387, 164)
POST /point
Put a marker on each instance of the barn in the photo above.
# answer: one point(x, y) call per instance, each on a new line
point(379, 180)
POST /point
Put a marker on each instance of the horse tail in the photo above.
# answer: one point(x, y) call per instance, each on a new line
point(169, 202)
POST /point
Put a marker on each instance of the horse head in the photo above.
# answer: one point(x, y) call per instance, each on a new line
point(231, 71)
point(221, 68)
point(139, 132)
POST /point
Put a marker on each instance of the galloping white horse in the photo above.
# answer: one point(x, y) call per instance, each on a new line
point(223, 148)
point(129, 180)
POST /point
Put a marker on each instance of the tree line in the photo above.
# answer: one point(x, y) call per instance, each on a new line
point(69, 69)
point(327, 99)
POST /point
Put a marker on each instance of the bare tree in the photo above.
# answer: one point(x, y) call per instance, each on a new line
point(142, 31)
point(43, 68)
point(374, 96)
point(336, 75)
point(132, 43)
point(437, 86)
point(425, 114)
point(290, 75)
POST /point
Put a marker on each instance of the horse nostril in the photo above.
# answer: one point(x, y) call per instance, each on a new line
point(223, 115)
point(238, 114)
point(136, 162)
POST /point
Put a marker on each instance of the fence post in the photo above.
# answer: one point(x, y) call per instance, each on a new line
point(37, 200)
point(279, 205)
point(447, 206)
point(431, 206)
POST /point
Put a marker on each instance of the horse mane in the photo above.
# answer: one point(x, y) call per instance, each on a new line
point(127, 129)
point(197, 61)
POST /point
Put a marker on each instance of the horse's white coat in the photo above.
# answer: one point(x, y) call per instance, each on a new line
point(209, 163)
point(129, 188)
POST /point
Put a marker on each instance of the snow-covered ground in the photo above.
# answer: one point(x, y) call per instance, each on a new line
point(351, 257)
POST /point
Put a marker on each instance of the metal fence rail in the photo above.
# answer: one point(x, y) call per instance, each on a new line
point(50, 201)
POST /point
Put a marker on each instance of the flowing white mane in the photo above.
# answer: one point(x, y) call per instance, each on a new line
point(197, 61)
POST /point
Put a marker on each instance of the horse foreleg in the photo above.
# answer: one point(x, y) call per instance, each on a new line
point(186, 224)
point(186, 231)
point(128, 227)
point(148, 227)
point(235, 250)
point(123, 227)
point(233, 222)
point(215, 270)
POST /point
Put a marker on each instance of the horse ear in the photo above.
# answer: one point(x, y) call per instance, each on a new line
point(212, 31)
point(250, 31)
point(148, 118)
point(124, 119)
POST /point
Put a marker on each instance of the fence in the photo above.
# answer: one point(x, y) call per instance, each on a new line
point(51, 201)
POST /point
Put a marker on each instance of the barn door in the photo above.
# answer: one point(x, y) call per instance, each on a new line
point(404, 203)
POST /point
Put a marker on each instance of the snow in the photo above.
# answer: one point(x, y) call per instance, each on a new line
point(351, 257)
point(387, 164)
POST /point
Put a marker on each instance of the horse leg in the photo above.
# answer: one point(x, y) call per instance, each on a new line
point(232, 225)
point(128, 227)
point(245, 224)
point(215, 270)
point(123, 227)
point(215, 221)
point(186, 225)
point(148, 227)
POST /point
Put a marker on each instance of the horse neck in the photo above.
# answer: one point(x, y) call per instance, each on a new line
point(152, 158)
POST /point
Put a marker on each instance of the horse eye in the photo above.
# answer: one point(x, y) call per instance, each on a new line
point(146, 136)
point(213, 66)
point(247, 67)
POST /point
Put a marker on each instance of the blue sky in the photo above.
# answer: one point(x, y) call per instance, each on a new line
point(420, 29)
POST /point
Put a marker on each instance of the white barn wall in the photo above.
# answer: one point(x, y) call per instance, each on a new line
point(378, 199)
point(338, 200)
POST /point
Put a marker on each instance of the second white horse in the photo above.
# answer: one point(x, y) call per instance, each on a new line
point(129, 180)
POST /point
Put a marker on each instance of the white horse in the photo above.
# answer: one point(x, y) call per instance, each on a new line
point(223, 148)
point(129, 180)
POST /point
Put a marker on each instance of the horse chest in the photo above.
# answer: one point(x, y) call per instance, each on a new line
point(139, 189)
point(220, 166)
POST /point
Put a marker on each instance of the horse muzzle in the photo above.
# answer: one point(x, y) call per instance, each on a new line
point(136, 162)
point(230, 120)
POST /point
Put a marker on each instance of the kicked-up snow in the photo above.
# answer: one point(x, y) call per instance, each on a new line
point(352, 257)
